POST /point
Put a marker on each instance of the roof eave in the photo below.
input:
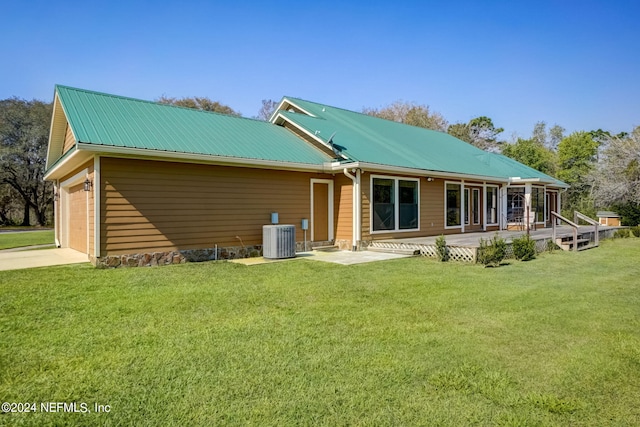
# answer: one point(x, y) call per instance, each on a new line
point(146, 153)
point(518, 180)
point(376, 167)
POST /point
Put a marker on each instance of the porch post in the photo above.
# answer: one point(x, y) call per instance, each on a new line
point(527, 206)
point(484, 206)
point(462, 206)
point(504, 224)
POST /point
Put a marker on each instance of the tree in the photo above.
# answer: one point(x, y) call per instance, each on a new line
point(10, 205)
point(576, 158)
point(411, 114)
point(268, 108)
point(199, 103)
point(549, 139)
point(479, 132)
point(24, 133)
point(616, 180)
point(533, 154)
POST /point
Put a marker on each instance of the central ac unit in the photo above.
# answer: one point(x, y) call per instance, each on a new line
point(278, 241)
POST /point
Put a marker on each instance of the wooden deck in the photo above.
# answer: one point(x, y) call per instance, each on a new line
point(472, 240)
point(463, 247)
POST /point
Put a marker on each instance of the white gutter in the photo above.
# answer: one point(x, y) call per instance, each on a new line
point(355, 220)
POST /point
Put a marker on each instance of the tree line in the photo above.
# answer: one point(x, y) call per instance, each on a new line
point(602, 169)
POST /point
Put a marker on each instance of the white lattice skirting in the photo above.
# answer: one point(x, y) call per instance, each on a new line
point(456, 253)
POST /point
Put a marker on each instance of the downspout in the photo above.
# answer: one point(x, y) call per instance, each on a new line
point(358, 207)
point(354, 209)
point(56, 216)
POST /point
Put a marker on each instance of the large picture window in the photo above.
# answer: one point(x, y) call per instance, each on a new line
point(395, 204)
point(515, 204)
point(453, 206)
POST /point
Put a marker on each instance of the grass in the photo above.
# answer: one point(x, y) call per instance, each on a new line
point(553, 341)
point(17, 240)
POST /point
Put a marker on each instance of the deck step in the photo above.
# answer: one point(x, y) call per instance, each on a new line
point(567, 245)
point(582, 248)
point(394, 250)
point(560, 242)
point(326, 248)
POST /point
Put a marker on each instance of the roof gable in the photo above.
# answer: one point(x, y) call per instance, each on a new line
point(370, 139)
point(100, 119)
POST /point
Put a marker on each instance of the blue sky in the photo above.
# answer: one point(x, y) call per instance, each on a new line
point(574, 63)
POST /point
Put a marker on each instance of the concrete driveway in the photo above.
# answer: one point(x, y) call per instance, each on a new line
point(17, 260)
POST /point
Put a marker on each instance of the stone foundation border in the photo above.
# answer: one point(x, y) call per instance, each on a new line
point(153, 259)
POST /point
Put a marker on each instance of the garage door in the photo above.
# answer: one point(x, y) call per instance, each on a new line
point(78, 218)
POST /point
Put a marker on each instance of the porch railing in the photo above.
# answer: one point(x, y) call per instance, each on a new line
point(574, 229)
point(577, 216)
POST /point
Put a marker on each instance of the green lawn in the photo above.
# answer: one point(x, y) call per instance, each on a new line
point(554, 341)
point(17, 240)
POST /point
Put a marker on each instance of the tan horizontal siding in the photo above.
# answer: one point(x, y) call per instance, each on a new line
point(343, 207)
point(69, 140)
point(158, 206)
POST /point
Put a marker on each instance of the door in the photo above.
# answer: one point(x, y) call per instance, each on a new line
point(321, 210)
point(77, 218)
point(473, 209)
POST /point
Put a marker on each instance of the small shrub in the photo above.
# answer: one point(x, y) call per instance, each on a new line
point(492, 252)
point(622, 234)
point(524, 248)
point(636, 230)
point(441, 249)
point(551, 246)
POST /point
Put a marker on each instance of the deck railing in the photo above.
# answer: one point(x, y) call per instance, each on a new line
point(574, 227)
point(577, 216)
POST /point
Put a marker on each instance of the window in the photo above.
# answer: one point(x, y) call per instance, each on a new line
point(492, 205)
point(453, 206)
point(476, 206)
point(467, 206)
point(383, 206)
point(408, 204)
point(395, 204)
point(515, 204)
point(537, 203)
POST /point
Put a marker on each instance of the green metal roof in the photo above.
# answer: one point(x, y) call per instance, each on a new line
point(115, 121)
point(101, 119)
point(370, 139)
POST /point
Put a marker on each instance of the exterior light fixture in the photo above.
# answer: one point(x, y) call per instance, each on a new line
point(87, 185)
point(429, 179)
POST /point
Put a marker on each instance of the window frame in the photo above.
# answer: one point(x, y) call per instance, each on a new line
point(460, 216)
point(396, 203)
point(476, 208)
point(543, 211)
point(497, 207)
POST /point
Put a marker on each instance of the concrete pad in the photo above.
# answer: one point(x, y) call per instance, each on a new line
point(337, 257)
point(350, 258)
point(40, 258)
